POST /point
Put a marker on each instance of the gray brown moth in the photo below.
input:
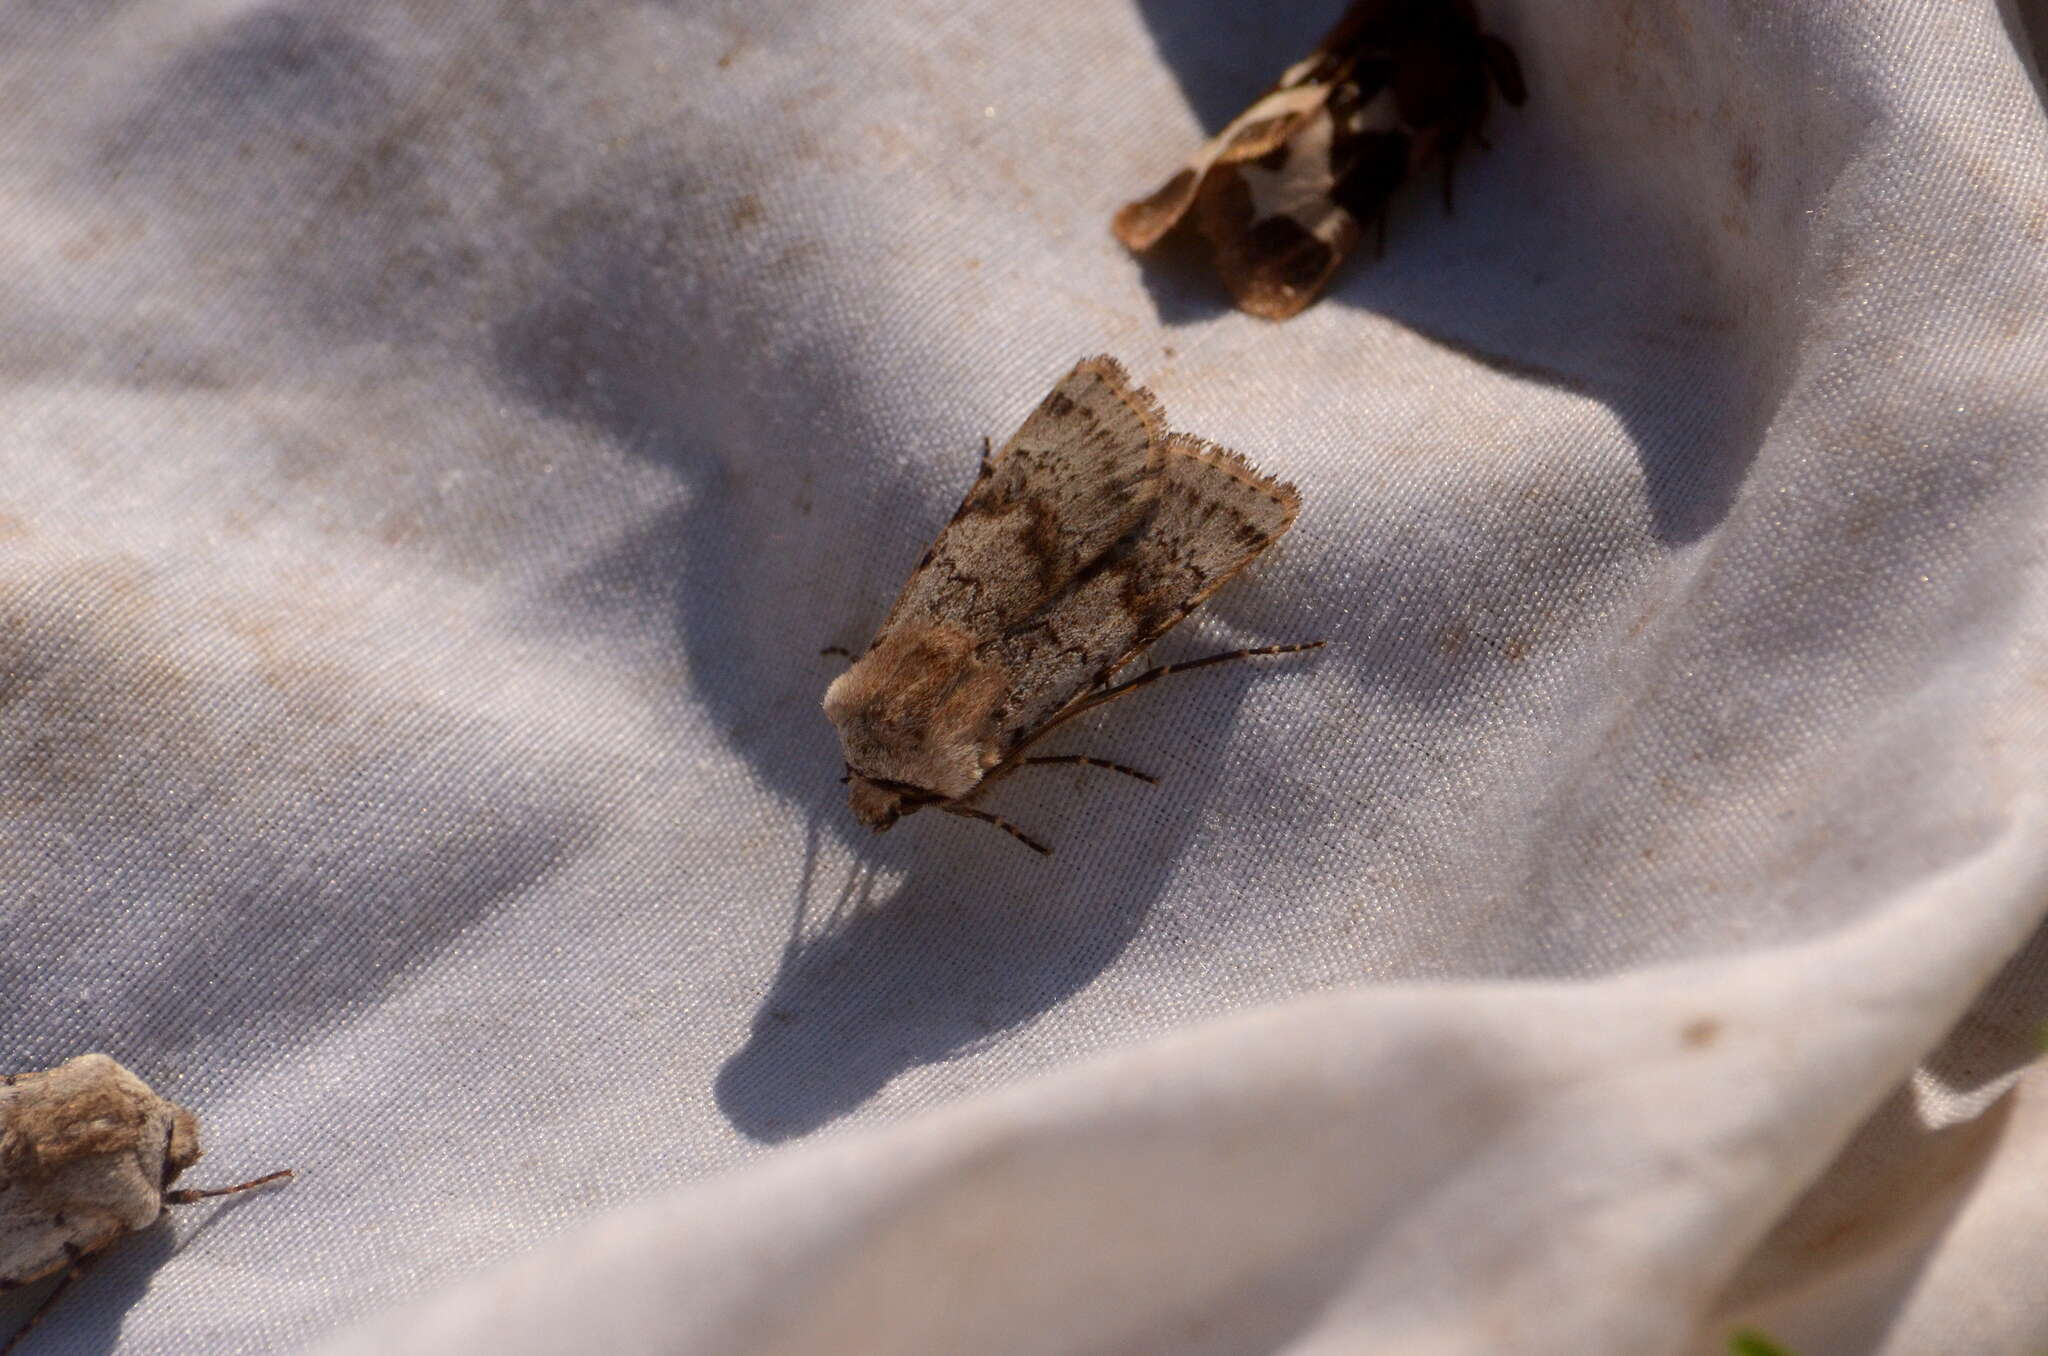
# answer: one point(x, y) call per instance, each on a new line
point(1288, 189)
point(87, 1155)
point(1083, 541)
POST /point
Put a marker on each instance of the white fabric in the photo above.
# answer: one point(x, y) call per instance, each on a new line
point(440, 438)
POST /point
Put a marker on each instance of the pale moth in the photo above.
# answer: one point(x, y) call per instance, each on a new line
point(87, 1155)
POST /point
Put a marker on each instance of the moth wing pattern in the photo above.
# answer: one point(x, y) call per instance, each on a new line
point(1078, 475)
point(1289, 188)
point(1281, 225)
point(1215, 513)
point(86, 1150)
point(1089, 536)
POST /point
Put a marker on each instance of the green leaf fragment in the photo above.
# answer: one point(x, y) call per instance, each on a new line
point(1750, 1342)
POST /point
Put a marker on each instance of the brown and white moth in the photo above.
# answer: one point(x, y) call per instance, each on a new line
point(87, 1155)
point(1083, 541)
point(1288, 189)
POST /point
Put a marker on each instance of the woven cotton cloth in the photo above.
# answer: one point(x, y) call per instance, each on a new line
point(440, 439)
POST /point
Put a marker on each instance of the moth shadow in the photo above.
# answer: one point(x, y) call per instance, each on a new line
point(90, 1316)
point(1559, 261)
point(1179, 278)
point(945, 933)
point(900, 975)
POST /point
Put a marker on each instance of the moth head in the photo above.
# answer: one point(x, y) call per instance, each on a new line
point(183, 1149)
point(877, 805)
point(917, 720)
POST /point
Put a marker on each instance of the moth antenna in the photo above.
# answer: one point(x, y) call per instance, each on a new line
point(839, 650)
point(42, 1311)
point(1080, 761)
point(188, 1196)
point(969, 812)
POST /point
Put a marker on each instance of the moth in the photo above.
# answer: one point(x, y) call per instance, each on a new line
point(1087, 537)
point(1289, 188)
point(87, 1155)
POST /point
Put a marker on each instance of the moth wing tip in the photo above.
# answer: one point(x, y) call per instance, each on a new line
point(1108, 368)
point(1112, 373)
point(1130, 227)
point(1232, 462)
point(1144, 222)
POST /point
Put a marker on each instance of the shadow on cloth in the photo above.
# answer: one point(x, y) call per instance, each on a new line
point(1867, 1229)
point(949, 933)
point(89, 1317)
point(1565, 262)
point(796, 531)
point(2002, 1033)
point(302, 921)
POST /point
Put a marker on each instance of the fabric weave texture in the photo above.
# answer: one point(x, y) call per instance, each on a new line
point(440, 439)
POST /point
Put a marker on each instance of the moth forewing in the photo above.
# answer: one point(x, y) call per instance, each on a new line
point(1078, 476)
point(919, 713)
point(1090, 535)
point(1259, 130)
point(87, 1154)
point(1276, 227)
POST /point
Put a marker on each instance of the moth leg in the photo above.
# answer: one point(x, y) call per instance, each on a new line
point(188, 1196)
point(1110, 694)
point(1506, 69)
point(77, 1269)
point(1080, 761)
point(969, 812)
point(1453, 142)
point(988, 461)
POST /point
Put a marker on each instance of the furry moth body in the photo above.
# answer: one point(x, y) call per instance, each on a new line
point(1084, 540)
point(87, 1155)
point(1289, 188)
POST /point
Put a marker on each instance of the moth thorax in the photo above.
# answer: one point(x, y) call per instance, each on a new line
point(916, 710)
